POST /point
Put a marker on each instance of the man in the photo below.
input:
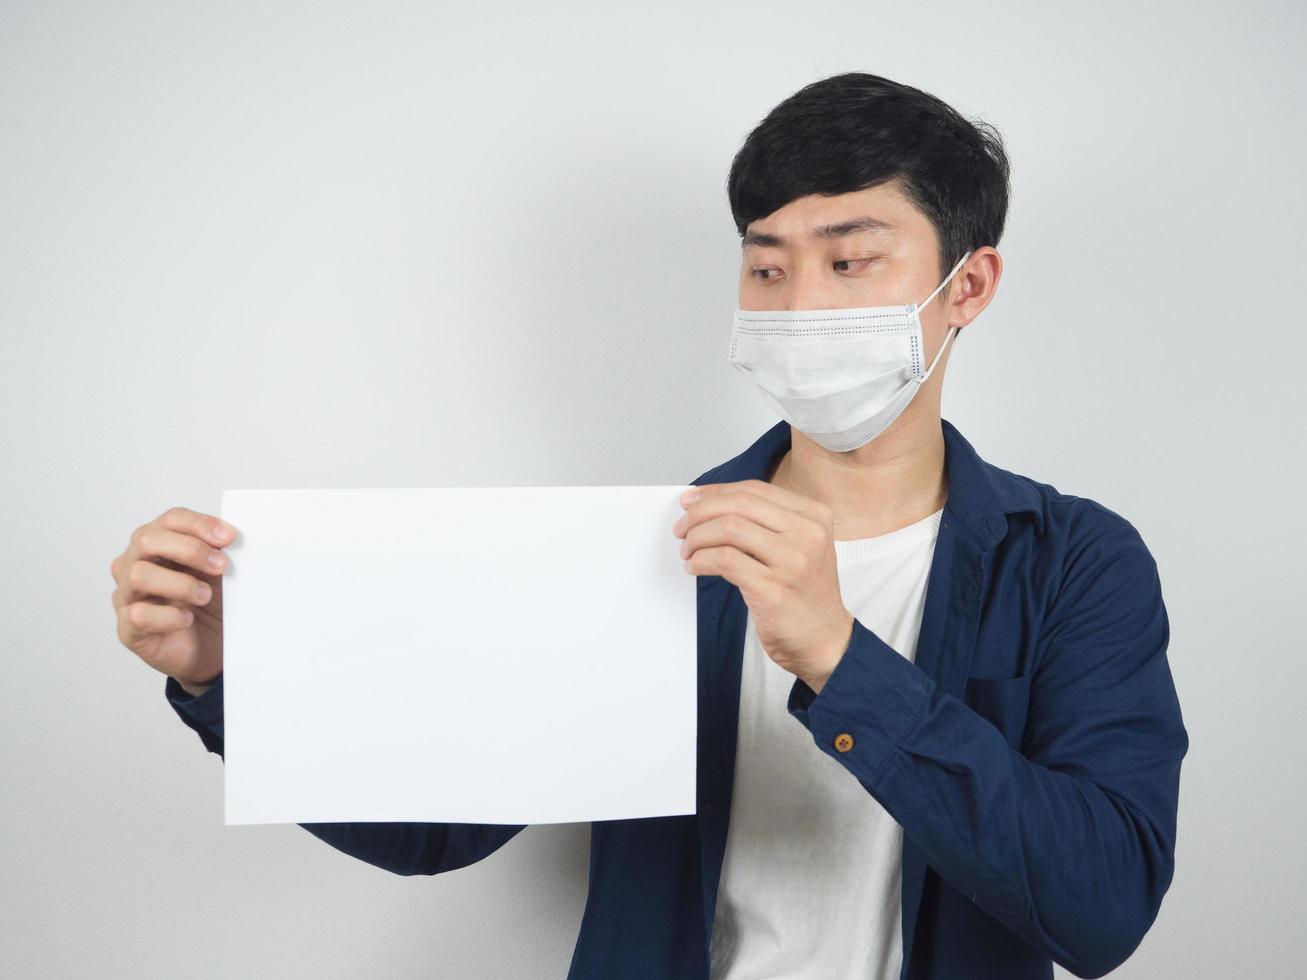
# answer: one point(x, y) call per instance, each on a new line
point(938, 733)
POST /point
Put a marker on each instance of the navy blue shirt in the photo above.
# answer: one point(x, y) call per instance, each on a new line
point(1031, 752)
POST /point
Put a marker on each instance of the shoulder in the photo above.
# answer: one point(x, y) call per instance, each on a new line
point(1066, 521)
point(1085, 528)
point(1072, 550)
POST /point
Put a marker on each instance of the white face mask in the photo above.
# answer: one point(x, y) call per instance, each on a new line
point(840, 376)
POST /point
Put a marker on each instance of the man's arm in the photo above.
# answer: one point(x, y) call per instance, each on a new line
point(1070, 842)
point(402, 848)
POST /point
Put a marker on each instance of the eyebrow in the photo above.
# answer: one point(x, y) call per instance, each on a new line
point(759, 239)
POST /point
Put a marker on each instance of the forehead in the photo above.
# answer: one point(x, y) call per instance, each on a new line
point(880, 213)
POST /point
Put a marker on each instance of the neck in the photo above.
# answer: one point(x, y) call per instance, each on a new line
point(895, 480)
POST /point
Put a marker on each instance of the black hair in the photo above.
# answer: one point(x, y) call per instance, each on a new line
point(852, 131)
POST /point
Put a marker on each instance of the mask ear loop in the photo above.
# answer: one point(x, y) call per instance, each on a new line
point(947, 340)
point(952, 331)
point(926, 302)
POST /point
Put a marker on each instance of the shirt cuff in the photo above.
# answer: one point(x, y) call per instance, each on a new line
point(202, 714)
point(868, 705)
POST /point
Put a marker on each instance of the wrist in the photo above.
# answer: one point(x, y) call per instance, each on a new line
point(196, 688)
point(817, 679)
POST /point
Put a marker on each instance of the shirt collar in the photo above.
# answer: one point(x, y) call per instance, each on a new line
point(980, 494)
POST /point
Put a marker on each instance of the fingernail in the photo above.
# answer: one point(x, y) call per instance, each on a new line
point(690, 496)
point(220, 530)
point(217, 561)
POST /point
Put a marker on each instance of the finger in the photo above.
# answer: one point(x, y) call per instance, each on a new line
point(153, 541)
point(760, 543)
point(146, 578)
point(205, 526)
point(797, 502)
point(143, 618)
point(759, 509)
point(731, 564)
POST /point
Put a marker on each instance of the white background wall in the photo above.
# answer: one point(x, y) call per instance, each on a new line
point(362, 244)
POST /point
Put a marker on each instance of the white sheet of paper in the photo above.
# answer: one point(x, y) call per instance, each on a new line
point(459, 654)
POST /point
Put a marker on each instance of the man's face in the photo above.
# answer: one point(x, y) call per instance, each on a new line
point(866, 248)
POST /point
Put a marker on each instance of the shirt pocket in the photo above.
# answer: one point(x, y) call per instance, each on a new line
point(1004, 701)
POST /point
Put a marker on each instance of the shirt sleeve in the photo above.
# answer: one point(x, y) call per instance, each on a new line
point(202, 714)
point(1069, 841)
point(400, 847)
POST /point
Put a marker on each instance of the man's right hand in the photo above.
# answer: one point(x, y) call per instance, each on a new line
point(168, 595)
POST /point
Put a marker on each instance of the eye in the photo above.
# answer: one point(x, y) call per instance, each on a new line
point(839, 262)
point(768, 274)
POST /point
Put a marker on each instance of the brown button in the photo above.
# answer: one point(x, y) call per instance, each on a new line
point(844, 741)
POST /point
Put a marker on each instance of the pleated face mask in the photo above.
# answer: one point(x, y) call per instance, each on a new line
point(840, 376)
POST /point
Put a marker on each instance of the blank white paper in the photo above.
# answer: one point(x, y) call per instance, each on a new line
point(512, 655)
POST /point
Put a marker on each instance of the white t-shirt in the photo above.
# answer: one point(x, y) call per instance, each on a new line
point(810, 885)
